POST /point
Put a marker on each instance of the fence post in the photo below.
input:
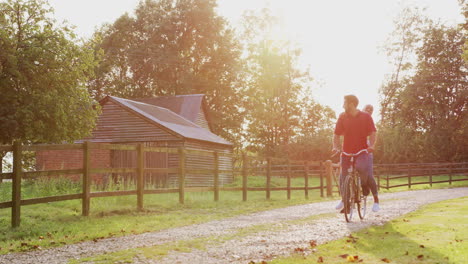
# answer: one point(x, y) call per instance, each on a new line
point(268, 179)
point(289, 179)
point(378, 179)
point(321, 166)
point(329, 172)
point(86, 178)
point(140, 176)
point(409, 176)
point(430, 175)
point(450, 174)
point(216, 176)
point(1, 169)
point(244, 177)
point(306, 180)
point(181, 175)
point(16, 182)
point(388, 187)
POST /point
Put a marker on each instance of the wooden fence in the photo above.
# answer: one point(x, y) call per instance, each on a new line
point(419, 173)
point(277, 167)
point(414, 174)
point(327, 173)
point(250, 166)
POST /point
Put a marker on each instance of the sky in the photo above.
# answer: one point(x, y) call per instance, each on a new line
point(341, 40)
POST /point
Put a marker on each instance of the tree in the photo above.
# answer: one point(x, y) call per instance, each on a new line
point(173, 47)
point(434, 102)
point(313, 138)
point(282, 115)
point(400, 49)
point(464, 26)
point(42, 77)
point(429, 115)
point(272, 109)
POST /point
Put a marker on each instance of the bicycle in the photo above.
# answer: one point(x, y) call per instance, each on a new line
point(351, 192)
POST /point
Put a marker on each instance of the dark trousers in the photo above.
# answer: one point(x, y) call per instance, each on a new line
point(363, 164)
point(370, 179)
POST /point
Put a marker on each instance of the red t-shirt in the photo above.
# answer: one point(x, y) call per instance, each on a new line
point(355, 130)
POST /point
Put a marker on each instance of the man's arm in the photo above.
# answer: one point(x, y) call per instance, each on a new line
point(372, 141)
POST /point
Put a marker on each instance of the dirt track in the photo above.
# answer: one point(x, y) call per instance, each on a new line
point(271, 233)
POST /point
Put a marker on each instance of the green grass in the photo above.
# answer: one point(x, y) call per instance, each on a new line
point(156, 252)
point(159, 251)
point(437, 233)
point(58, 223)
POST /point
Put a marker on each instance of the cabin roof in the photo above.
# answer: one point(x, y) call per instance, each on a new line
point(172, 121)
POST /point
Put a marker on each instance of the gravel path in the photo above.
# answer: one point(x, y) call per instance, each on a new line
point(283, 237)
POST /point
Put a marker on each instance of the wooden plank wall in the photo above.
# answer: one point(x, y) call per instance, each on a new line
point(197, 161)
point(194, 161)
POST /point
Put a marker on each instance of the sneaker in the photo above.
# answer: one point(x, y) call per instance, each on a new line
point(375, 207)
point(340, 206)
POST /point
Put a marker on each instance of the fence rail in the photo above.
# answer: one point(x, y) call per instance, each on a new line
point(327, 173)
point(424, 173)
point(250, 166)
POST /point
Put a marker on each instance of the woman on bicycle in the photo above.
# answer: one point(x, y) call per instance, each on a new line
point(355, 126)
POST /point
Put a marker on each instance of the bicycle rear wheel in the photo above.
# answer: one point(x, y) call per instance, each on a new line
point(348, 198)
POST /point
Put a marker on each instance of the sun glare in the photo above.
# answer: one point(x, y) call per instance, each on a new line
point(339, 39)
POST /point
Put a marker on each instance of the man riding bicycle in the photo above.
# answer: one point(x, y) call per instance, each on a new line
point(355, 126)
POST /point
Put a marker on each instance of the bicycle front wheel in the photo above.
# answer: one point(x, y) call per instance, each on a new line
point(359, 198)
point(362, 207)
point(348, 198)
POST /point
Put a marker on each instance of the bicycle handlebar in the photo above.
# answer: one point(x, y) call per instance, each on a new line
point(350, 154)
point(355, 154)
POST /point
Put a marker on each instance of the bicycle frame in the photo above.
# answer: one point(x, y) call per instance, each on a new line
point(352, 193)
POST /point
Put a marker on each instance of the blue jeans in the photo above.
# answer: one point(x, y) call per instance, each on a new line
point(363, 166)
point(371, 180)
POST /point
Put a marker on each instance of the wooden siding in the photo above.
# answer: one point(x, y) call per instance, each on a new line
point(116, 124)
point(201, 119)
point(207, 162)
point(163, 160)
point(128, 159)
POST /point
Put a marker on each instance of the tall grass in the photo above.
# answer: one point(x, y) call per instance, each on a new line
point(41, 187)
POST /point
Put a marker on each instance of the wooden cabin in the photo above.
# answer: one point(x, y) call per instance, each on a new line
point(175, 121)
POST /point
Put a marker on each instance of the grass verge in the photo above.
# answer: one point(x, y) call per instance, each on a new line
point(159, 251)
point(437, 233)
point(59, 223)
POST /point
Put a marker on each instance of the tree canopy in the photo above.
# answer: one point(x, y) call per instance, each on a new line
point(43, 73)
point(257, 94)
point(428, 119)
point(282, 117)
point(170, 47)
point(167, 47)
